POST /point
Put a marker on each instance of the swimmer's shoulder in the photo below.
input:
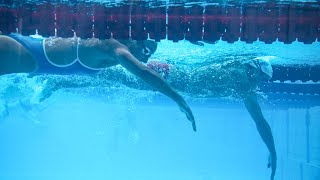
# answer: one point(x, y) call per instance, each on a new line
point(107, 45)
point(58, 44)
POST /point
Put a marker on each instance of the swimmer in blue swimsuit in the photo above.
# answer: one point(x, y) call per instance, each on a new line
point(38, 55)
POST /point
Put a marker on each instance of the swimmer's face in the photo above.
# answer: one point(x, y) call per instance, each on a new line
point(256, 75)
point(142, 50)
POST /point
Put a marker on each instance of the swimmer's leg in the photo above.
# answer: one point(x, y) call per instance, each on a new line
point(5, 111)
point(49, 88)
point(60, 82)
point(264, 130)
point(47, 93)
point(131, 118)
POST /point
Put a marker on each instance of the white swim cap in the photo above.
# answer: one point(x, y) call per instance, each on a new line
point(263, 64)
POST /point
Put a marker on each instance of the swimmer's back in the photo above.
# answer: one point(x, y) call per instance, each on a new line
point(56, 55)
point(52, 60)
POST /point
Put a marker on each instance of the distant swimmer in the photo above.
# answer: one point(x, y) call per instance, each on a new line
point(54, 55)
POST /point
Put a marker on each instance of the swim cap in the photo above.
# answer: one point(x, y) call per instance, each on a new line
point(263, 64)
point(160, 67)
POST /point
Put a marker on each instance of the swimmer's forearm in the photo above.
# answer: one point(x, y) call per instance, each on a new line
point(262, 125)
point(264, 129)
point(128, 61)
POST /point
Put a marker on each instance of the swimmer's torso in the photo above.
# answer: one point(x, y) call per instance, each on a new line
point(68, 55)
point(216, 80)
point(91, 53)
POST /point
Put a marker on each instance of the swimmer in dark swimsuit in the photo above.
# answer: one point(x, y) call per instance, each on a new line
point(38, 55)
point(238, 79)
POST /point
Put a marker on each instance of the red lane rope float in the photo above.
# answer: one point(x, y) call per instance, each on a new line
point(28, 19)
point(287, 24)
point(250, 31)
point(138, 23)
point(65, 20)
point(194, 20)
point(156, 23)
point(46, 19)
point(307, 25)
point(101, 29)
point(267, 22)
point(231, 24)
point(212, 24)
point(119, 22)
point(84, 21)
point(176, 23)
point(8, 20)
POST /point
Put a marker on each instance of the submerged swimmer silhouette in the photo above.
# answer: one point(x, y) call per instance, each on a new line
point(238, 79)
point(71, 55)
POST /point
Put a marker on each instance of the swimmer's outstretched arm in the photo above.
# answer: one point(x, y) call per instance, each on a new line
point(128, 61)
point(264, 129)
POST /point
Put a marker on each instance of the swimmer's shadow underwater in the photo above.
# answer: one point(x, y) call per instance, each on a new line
point(38, 55)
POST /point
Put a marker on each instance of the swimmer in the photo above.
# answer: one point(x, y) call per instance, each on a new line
point(37, 55)
point(238, 79)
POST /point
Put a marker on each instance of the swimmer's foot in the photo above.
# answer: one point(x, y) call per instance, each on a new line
point(5, 112)
point(185, 108)
point(194, 127)
point(272, 163)
point(48, 87)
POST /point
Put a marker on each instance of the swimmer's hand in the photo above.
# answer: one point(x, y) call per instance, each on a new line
point(185, 108)
point(272, 162)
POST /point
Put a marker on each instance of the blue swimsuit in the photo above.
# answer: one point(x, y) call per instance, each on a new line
point(35, 45)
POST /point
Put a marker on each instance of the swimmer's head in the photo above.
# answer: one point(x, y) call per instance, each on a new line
point(262, 66)
point(142, 50)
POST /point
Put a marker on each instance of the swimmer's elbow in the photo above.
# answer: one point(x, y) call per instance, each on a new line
point(128, 61)
point(125, 58)
point(122, 52)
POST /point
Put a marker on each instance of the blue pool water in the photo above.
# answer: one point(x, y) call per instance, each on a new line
point(115, 132)
point(108, 130)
